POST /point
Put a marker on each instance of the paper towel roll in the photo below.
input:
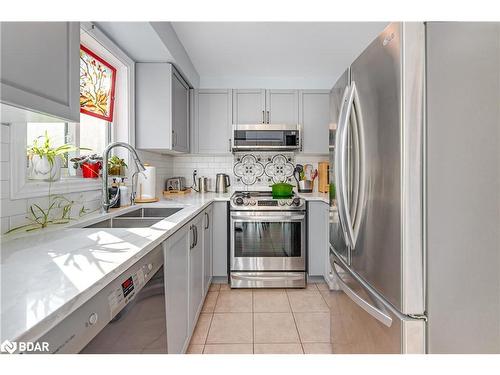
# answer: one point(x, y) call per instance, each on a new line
point(146, 183)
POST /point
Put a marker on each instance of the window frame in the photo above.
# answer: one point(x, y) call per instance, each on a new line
point(20, 186)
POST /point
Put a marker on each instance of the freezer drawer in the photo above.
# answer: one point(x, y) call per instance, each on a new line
point(362, 323)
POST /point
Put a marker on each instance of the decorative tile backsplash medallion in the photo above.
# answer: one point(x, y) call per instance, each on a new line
point(252, 170)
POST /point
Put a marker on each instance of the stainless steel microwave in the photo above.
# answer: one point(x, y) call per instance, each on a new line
point(265, 137)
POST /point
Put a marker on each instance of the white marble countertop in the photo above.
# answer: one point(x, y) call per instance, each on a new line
point(45, 276)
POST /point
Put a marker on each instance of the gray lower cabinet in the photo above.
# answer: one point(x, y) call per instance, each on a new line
point(188, 273)
point(208, 221)
point(212, 119)
point(314, 113)
point(162, 108)
point(196, 291)
point(177, 289)
point(40, 64)
point(317, 216)
point(219, 249)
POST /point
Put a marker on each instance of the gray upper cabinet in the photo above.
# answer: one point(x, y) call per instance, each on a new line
point(282, 107)
point(249, 106)
point(180, 113)
point(212, 117)
point(162, 108)
point(265, 106)
point(314, 114)
point(40, 65)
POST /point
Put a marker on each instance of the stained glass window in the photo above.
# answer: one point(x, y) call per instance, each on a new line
point(97, 85)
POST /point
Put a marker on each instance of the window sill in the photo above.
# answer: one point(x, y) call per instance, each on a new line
point(32, 188)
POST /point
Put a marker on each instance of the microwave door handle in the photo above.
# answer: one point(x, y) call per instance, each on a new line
point(378, 314)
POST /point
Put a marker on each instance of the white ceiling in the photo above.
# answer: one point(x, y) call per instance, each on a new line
point(273, 54)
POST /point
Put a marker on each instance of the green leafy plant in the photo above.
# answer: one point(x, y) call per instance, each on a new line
point(57, 212)
point(90, 159)
point(115, 161)
point(46, 149)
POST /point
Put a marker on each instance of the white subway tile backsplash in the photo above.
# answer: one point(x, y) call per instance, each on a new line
point(4, 189)
point(4, 224)
point(4, 171)
point(4, 134)
point(12, 207)
point(4, 152)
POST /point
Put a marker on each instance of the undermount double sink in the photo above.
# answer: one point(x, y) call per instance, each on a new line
point(141, 218)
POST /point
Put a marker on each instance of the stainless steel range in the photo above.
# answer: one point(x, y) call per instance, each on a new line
point(268, 241)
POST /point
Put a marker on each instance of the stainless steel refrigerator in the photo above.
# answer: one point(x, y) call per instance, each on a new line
point(414, 256)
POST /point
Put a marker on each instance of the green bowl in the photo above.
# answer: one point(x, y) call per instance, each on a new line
point(282, 190)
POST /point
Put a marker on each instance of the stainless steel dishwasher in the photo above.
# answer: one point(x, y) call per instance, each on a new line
point(127, 316)
point(140, 327)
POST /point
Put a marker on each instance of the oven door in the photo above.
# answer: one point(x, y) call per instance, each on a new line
point(268, 241)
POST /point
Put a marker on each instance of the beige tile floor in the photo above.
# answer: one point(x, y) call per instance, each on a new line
point(263, 321)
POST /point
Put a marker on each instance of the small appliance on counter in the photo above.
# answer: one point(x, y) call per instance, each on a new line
point(175, 184)
point(222, 182)
point(146, 185)
point(202, 185)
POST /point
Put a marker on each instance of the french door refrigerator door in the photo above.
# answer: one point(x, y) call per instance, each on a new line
point(385, 229)
point(337, 96)
point(362, 322)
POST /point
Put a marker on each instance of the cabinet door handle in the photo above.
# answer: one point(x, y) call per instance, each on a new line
point(195, 235)
point(263, 117)
point(191, 229)
point(208, 220)
point(174, 139)
point(230, 145)
point(268, 117)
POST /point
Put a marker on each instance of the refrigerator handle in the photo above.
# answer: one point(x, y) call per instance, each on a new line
point(340, 162)
point(378, 314)
point(359, 188)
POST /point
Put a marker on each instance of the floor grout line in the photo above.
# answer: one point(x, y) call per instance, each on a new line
point(211, 319)
point(295, 322)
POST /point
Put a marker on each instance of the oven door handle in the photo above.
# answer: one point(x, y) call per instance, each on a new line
point(277, 218)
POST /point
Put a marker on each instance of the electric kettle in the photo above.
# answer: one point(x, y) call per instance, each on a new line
point(222, 183)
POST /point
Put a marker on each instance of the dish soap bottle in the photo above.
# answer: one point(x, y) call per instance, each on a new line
point(124, 196)
point(113, 190)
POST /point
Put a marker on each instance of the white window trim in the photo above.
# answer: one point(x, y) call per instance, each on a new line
point(21, 187)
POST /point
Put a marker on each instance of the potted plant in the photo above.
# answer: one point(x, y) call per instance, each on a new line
point(116, 166)
point(44, 161)
point(90, 165)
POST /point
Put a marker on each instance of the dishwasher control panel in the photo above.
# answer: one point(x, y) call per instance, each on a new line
point(73, 333)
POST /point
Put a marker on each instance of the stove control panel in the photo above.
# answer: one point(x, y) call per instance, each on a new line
point(247, 202)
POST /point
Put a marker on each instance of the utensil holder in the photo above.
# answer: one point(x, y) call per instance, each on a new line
point(305, 186)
